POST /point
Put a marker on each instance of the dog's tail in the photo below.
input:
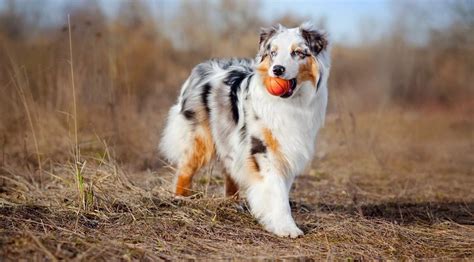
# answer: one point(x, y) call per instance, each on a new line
point(178, 130)
point(176, 136)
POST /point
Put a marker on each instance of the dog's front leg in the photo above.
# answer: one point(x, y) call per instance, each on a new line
point(269, 203)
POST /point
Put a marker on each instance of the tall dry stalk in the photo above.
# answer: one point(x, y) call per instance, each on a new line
point(71, 67)
point(78, 168)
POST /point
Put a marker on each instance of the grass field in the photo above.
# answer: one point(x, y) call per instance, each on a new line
point(84, 91)
point(395, 184)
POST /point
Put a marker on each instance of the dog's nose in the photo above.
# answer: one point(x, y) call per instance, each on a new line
point(278, 70)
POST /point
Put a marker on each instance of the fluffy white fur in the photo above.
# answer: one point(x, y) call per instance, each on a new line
point(228, 98)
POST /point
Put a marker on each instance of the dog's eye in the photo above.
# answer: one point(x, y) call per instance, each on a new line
point(273, 53)
point(299, 54)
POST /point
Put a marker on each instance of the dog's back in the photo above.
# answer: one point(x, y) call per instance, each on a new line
point(210, 89)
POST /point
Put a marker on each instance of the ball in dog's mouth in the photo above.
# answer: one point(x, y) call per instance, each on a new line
point(280, 87)
point(292, 88)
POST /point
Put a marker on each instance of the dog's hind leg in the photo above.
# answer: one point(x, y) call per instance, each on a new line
point(187, 143)
point(199, 154)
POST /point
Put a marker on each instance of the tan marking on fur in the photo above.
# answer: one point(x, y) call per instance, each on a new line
point(262, 69)
point(308, 71)
point(294, 47)
point(202, 116)
point(270, 140)
point(202, 152)
point(253, 169)
point(183, 185)
point(253, 164)
point(231, 188)
point(274, 146)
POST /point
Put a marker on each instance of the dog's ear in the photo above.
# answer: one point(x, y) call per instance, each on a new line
point(265, 35)
point(315, 39)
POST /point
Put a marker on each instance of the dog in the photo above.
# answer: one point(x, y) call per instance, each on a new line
point(263, 141)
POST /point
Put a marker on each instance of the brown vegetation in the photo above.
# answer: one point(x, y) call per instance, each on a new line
point(387, 182)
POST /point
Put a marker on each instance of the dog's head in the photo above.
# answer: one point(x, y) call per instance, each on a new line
point(291, 54)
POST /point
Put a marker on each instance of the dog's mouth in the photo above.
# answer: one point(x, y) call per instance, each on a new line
point(292, 88)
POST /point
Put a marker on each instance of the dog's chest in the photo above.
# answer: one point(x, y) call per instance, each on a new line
point(294, 129)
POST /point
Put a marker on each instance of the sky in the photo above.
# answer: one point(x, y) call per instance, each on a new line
point(343, 18)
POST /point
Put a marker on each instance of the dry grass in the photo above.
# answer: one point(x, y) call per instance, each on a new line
point(395, 185)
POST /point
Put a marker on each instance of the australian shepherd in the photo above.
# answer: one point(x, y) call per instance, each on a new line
point(263, 141)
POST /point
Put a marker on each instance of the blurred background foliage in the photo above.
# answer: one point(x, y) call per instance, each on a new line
point(129, 66)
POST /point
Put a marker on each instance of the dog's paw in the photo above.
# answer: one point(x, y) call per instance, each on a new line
point(286, 230)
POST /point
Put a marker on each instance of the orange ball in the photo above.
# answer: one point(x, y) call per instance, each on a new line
point(277, 86)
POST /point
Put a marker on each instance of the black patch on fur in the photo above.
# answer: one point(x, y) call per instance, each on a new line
point(248, 84)
point(243, 129)
point(267, 33)
point(234, 79)
point(189, 114)
point(315, 40)
point(203, 70)
point(226, 64)
point(183, 104)
point(206, 90)
point(243, 132)
point(255, 116)
point(319, 80)
point(257, 146)
point(247, 87)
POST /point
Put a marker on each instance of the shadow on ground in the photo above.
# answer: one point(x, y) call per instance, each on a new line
point(400, 212)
